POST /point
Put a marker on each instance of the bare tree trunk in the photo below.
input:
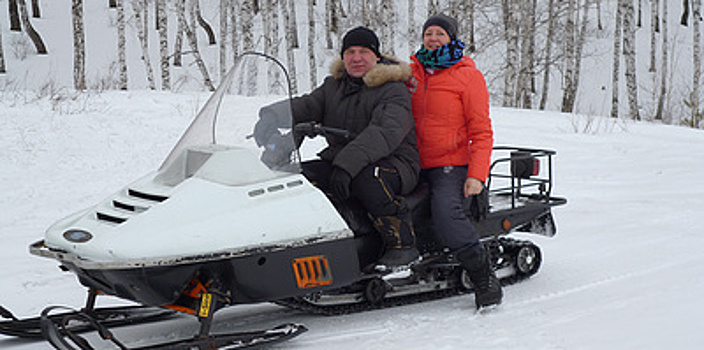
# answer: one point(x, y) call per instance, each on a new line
point(469, 27)
point(329, 14)
point(235, 38)
point(33, 35)
point(249, 84)
point(388, 27)
point(15, 23)
point(291, 43)
point(598, 15)
point(293, 25)
point(433, 7)
point(629, 51)
point(553, 9)
point(271, 41)
point(193, 42)
point(79, 47)
point(2, 56)
point(697, 63)
point(36, 11)
point(510, 15)
point(162, 28)
point(121, 45)
point(526, 77)
point(659, 113)
point(201, 21)
point(413, 36)
point(224, 27)
point(618, 31)
point(568, 95)
point(685, 13)
point(312, 66)
point(138, 8)
point(181, 29)
point(653, 30)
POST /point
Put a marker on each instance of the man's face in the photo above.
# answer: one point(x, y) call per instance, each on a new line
point(359, 60)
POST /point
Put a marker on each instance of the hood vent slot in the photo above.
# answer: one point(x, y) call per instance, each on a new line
point(110, 218)
point(147, 196)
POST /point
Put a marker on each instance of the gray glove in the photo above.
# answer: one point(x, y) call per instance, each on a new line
point(277, 151)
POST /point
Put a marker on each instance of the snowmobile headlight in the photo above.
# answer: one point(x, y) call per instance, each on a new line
point(77, 236)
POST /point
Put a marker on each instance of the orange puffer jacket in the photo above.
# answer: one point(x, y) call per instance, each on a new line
point(451, 111)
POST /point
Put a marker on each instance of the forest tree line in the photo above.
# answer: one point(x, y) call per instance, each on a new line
point(541, 43)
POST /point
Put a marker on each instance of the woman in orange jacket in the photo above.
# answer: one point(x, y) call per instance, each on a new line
point(451, 110)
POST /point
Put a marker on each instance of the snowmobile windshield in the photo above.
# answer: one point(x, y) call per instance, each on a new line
point(242, 133)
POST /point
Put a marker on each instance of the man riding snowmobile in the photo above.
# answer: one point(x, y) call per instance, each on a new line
point(365, 95)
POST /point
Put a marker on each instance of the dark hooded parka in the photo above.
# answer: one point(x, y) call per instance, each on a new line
point(375, 109)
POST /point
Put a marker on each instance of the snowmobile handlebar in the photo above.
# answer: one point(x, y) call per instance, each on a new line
point(313, 129)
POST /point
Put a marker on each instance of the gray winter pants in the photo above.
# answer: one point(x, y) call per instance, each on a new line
point(451, 224)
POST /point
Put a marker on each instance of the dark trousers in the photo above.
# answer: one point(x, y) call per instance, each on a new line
point(376, 186)
point(451, 224)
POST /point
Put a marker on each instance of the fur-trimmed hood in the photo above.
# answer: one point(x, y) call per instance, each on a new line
point(388, 69)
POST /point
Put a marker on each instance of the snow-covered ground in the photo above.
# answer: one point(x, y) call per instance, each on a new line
point(624, 272)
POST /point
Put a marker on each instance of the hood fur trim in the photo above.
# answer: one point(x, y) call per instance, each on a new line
point(388, 69)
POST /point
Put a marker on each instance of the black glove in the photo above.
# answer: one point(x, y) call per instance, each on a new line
point(340, 183)
point(477, 206)
point(265, 128)
point(277, 151)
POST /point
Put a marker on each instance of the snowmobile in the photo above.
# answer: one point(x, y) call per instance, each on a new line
point(224, 222)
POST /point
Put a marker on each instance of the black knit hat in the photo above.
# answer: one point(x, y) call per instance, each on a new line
point(361, 36)
point(445, 22)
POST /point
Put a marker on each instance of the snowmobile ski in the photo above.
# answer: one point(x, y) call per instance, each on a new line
point(108, 316)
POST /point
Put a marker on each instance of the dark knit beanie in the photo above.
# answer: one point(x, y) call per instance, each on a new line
point(445, 22)
point(361, 36)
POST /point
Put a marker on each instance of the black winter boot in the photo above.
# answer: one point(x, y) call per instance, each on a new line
point(487, 287)
point(399, 241)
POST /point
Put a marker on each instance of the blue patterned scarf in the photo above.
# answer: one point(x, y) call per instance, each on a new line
point(445, 56)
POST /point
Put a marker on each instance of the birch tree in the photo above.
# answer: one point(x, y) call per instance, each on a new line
point(33, 35)
point(14, 13)
point(616, 69)
point(2, 57)
point(224, 28)
point(36, 10)
point(696, 113)
point(568, 95)
point(659, 112)
point(180, 30)
point(247, 16)
point(203, 23)
point(289, 13)
point(79, 49)
point(629, 52)
point(312, 66)
point(234, 32)
point(572, 77)
point(510, 18)
point(553, 9)
point(654, 29)
point(189, 29)
point(413, 36)
point(162, 25)
point(388, 13)
point(138, 9)
point(121, 45)
point(526, 77)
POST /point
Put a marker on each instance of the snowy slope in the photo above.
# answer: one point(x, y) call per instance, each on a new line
point(624, 272)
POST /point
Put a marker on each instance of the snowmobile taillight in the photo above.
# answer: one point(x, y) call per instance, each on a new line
point(524, 164)
point(77, 236)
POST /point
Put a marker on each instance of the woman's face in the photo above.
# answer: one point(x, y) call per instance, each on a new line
point(435, 37)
